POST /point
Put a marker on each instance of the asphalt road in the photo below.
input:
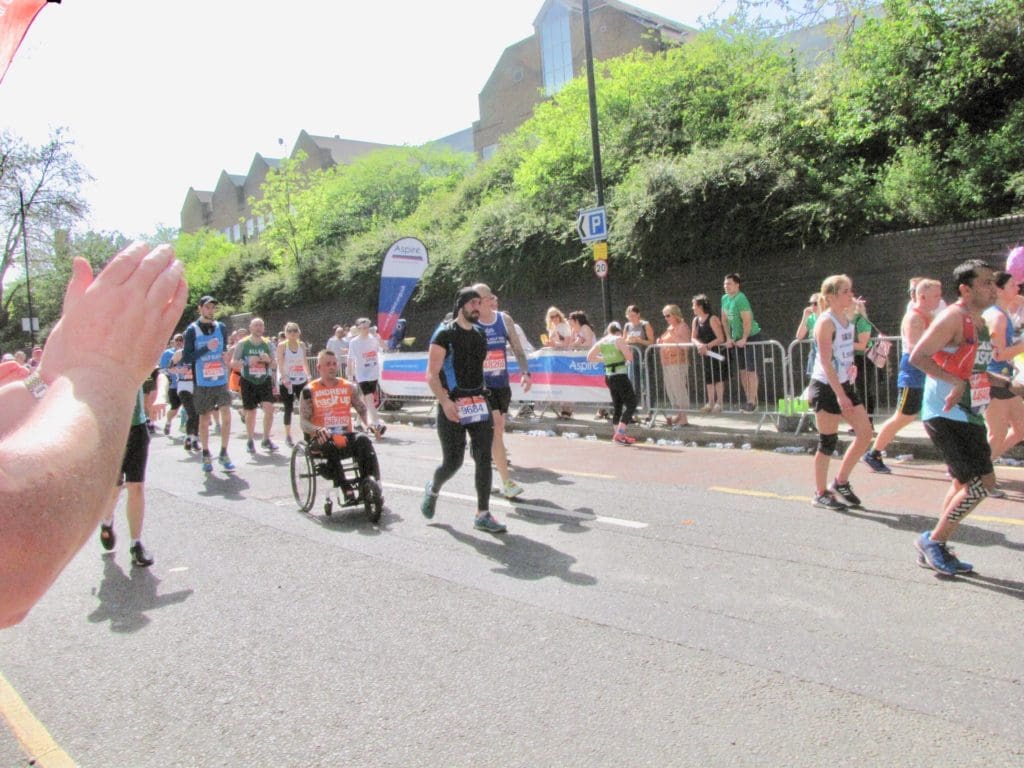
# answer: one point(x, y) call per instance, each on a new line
point(649, 606)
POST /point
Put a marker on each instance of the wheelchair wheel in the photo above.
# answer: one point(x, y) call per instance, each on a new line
point(303, 477)
point(373, 498)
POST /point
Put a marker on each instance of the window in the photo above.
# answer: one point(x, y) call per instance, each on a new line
point(250, 227)
point(556, 48)
point(236, 233)
point(227, 233)
point(260, 224)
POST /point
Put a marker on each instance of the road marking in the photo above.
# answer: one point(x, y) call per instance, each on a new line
point(35, 740)
point(531, 507)
point(770, 495)
point(574, 473)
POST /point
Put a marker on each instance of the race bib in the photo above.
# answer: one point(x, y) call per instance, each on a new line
point(213, 369)
point(472, 410)
point(297, 373)
point(370, 359)
point(495, 361)
point(981, 392)
point(257, 367)
point(336, 424)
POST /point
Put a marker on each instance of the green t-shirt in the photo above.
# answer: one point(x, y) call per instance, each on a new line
point(860, 325)
point(248, 352)
point(611, 356)
point(139, 414)
point(732, 306)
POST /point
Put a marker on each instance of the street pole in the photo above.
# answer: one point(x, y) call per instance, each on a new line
point(606, 288)
point(28, 280)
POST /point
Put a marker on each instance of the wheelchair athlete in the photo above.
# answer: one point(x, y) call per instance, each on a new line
point(326, 418)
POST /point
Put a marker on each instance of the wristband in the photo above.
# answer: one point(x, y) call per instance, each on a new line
point(34, 383)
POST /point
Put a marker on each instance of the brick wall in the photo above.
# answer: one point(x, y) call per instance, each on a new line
point(776, 284)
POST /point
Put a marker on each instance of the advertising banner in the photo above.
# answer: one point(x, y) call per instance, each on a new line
point(15, 18)
point(404, 265)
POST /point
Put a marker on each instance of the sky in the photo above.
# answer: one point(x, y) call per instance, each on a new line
point(162, 96)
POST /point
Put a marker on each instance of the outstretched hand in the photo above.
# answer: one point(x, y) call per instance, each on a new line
point(120, 320)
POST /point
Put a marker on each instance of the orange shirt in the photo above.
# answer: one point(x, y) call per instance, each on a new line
point(332, 406)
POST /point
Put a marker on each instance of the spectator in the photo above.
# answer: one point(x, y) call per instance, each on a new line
point(710, 340)
point(741, 329)
point(805, 328)
point(581, 332)
point(639, 334)
point(675, 364)
point(338, 344)
point(558, 331)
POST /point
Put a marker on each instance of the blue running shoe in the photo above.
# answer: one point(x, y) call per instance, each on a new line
point(207, 465)
point(429, 503)
point(485, 522)
point(876, 464)
point(935, 555)
point(960, 565)
point(226, 464)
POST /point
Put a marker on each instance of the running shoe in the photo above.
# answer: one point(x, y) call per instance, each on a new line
point(845, 492)
point(107, 537)
point(140, 557)
point(511, 489)
point(196, 445)
point(827, 500)
point(250, 446)
point(289, 442)
point(706, 408)
point(188, 445)
point(716, 408)
point(960, 565)
point(749, 407)
point(207, 463)
point(429, 503)
point(876, 463)
point(226, 464)
point(268, 445)
point(997, 493)
point(486, 522)
point(381, 429)
point(167, 428)
point(623, 439)
point(936, 555)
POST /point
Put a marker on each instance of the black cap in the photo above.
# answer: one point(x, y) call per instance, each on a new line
point(464, 296)
point(206, 300)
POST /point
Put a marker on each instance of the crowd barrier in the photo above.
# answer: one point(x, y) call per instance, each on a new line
point(669, 379)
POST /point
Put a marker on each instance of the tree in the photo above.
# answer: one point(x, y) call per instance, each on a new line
point(40, 187)
point(291, 196)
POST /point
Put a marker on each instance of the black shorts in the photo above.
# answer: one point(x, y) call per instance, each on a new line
point(746, 358)
point(909, 401)
point(963, 446)
point(206, 399)
point(173, 399)
point(255, 393)
point(136, 454)
point(822, 398)
point(999, 392)
point(368, 387)
point(499, 398)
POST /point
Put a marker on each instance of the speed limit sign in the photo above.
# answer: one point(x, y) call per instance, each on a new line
point(601, 268)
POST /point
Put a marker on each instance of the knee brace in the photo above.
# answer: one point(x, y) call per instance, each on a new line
point(975, 492)
point(827, 443)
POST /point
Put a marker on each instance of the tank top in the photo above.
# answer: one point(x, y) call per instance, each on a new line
point(294, 364)
point(910, 376)
point(209, 366)
point(1002, 367)
point(496, 362)
point(705, 333)
point(332, 406)
point(970, 357)
point(250, 349)
point(612, 357)
point(842, 350)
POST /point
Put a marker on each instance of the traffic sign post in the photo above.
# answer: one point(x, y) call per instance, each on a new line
point(601, 268)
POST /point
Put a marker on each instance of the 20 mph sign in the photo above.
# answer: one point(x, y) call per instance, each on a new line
point(601, 268)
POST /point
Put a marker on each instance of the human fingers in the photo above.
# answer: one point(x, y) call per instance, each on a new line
point(163, 286)
point(124, 264)
point(12, 371)
point(81, 279)
point(152, 266)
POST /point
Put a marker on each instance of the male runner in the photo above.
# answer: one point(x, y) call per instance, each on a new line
point(455, 374)
point(254, 359)
point(171, 372)
point(325, 413)
point(205, 342)
point(500, 330)
point(953, 353)
point(364, 369)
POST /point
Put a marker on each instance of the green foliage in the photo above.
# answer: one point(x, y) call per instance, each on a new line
point(291, 202)
point(203, 254)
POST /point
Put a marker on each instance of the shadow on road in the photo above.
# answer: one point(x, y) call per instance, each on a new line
point(531, 475)
point(544, 512)
point(520, 557)
point(225, 486)
point(124, 600)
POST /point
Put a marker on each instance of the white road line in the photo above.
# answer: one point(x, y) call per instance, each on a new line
point(500, 502)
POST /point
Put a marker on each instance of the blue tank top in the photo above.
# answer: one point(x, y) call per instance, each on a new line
point(210, 368)
point(496, 364)
point(1002, 367)
point(165, 365)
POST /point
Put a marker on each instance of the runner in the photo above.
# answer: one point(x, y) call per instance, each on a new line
point(953, 353)
point(338, 344)
point(253, 357)
point(205, 341)
point(616, 355)
point(364, 369)
point(499, 327)
point(325, 414)
point(455, 374)
point(186, 392)
point(132, 478)
point(910, 380)
point(171, 372)
point(832, 395)
point(293, 368)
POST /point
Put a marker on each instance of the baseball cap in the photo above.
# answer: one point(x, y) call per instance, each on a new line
point(207, 300)
point(363, 322)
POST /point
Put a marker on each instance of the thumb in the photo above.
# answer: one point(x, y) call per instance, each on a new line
point(81, 279)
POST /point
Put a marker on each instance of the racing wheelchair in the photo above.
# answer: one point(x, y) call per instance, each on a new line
point(308, 463)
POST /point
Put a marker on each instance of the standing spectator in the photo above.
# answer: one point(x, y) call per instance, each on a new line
point(338, 344)
point(20, 358)
point(613, 351)
point(639, 334)
point(740, 329)
point(293, 368)
point(675, 364)
point(833, 397)
point(559, 336)
point(364, 367)
point(806, 328)
point(37, 355)
point(581, 332)
point(710, 340)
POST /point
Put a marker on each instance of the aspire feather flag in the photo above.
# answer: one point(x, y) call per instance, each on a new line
point(15, 18)
point(404, 264)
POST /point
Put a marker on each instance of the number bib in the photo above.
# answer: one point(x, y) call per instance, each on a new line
point(296, 373)
point(472, 410)
point(494, 362)
point(213, 369)
point(981, 392)
point(256, 366)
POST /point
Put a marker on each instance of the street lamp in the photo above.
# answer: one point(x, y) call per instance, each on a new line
point(28, 279)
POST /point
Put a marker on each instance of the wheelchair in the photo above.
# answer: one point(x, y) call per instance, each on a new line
point(307, 464)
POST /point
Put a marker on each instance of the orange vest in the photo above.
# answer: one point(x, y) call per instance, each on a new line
point(332, 406)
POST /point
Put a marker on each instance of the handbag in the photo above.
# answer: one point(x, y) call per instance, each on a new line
point(878, 353)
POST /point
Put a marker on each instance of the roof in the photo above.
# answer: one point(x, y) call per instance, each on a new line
point(460, 141)
point(202, 195)
point(345, 150)
point(631, 10)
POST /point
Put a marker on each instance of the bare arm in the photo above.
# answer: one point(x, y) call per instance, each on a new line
point(823, 332)
point(946, 329)
point(520, 354)
point(58, 465)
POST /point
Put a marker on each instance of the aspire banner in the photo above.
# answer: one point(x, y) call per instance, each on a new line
point(404, 265)
point(15, 18)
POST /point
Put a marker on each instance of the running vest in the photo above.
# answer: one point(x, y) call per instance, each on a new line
point(910, 376)
point(332, 406)
point(365, 353)
point(165, 366)
point(842, 350)
point(254, 369)
point(294, 364)
point(966, 362)
point(496, 362)
point(612, 357)
point(1002, 367)
point(209, 366)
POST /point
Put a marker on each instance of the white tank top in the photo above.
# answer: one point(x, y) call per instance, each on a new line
point(842, 350)
point(294, 369)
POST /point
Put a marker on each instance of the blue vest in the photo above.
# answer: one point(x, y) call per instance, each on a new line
point(211, 370)
point(496, 364)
